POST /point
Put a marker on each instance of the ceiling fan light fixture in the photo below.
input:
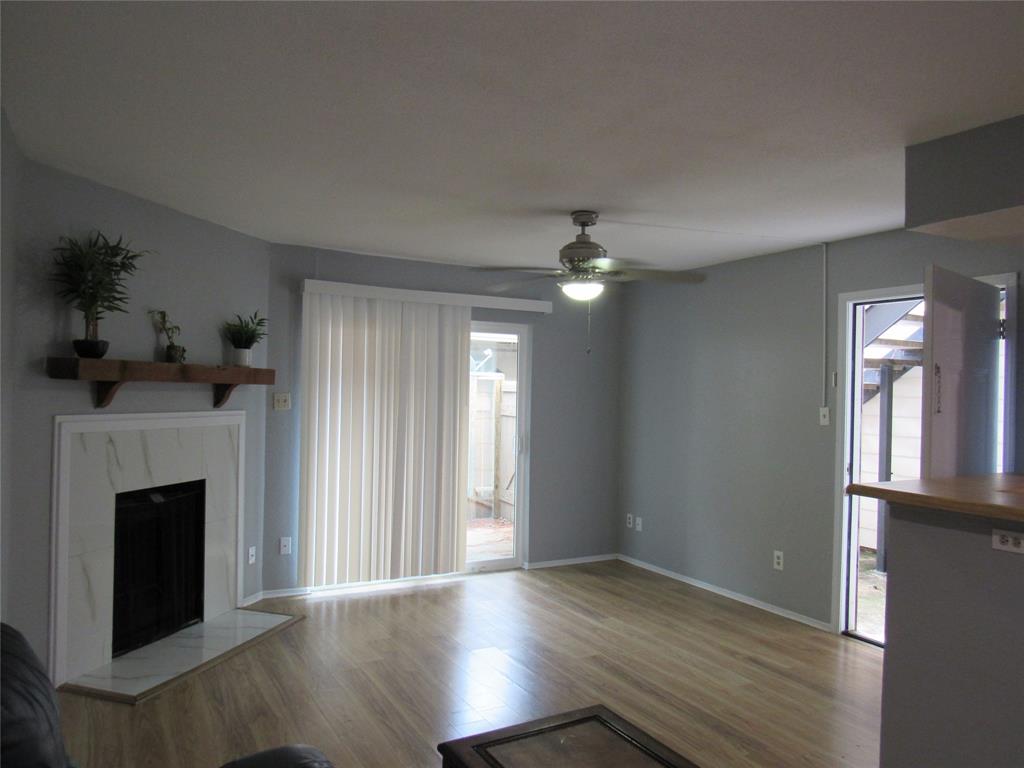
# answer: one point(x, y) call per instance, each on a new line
point(582, 290)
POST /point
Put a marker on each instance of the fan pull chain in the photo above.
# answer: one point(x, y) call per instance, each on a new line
point(589, 303)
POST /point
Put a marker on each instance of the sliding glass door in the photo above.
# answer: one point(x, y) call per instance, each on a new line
point(495, 489)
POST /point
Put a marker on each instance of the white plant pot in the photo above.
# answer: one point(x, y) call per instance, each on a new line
point(242, 357)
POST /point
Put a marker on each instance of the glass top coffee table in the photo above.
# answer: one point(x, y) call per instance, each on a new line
point(585, 738)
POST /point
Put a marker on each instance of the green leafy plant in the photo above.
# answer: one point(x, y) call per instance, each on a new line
point(91, 273)
point(162, 323)
point(245, 332)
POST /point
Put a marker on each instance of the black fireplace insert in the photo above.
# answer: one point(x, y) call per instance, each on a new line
point(159, 540)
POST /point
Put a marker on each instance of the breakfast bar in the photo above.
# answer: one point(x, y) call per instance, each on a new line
point(953, 680)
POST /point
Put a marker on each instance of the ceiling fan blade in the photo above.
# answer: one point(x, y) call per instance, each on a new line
point(605, 264)
point(654, 275)
point(510, 285)
point(540, 270)
point(625, 271)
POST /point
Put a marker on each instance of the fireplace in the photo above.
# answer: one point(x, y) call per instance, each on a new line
point(158, 562)
point(98, 457)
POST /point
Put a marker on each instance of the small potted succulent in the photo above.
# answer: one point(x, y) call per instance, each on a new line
point(173, 353)
point(243, 333)
point(90, 274)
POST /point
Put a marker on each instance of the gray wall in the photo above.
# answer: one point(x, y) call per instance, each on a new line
point(954, 641)
point(574, 397)
point(971, 172)
point(722, 454)
point(201, 273)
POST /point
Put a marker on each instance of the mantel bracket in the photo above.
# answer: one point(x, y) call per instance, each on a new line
point(221, 393)
point(105, 391)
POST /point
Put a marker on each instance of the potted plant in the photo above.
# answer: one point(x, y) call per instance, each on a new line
point(243, 333)
point(173, 353)
point(91, 275)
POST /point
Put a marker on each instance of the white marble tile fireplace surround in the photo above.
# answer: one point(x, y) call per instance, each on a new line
point(96, 457)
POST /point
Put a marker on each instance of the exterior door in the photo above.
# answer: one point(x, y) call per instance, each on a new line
point(961, 382)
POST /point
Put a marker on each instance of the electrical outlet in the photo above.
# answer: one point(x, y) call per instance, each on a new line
point(629, 520)
point(639, 524)
point(777, 560)
point(282, 401)
point(252, 555)
point(1008, 541)
point(286, 545)
point(824, 417)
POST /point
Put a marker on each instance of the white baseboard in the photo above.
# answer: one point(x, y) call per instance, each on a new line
point(568, 561)
point(822, 625)
point(339, 590)
point(412, 581)
point(255, 598)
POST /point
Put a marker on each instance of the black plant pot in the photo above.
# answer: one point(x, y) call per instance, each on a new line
point(174, 353)
point(92, 348)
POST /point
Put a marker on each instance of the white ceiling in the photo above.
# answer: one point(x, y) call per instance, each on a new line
point(466, 132)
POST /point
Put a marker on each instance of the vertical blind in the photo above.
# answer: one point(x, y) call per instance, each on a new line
point(385, 397)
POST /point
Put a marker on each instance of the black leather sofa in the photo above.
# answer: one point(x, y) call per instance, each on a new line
point(30, 728)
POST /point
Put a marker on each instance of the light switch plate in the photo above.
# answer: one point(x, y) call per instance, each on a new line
point(252, 555)
point(282, 401)
point(824, 416)
point(286, 545)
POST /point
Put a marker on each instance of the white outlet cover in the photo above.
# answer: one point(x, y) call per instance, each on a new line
point(252, 555)
point(629, 521)
point(824, 417)
point(639, 524)
point(282, 401)
point(777, 560)
point(1008, 541)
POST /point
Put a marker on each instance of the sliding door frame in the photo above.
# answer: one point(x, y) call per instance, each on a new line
point(524, 377)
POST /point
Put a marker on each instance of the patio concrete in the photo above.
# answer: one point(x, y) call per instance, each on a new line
point(489, 539)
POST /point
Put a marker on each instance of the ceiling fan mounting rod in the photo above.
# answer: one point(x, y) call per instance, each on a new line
point(584, 219)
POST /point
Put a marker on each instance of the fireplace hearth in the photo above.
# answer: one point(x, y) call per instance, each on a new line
point(158, 563)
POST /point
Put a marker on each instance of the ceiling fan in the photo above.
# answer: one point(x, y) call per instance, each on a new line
point(586, 266)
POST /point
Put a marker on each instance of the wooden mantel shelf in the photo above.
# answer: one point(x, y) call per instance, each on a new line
point(109, 375)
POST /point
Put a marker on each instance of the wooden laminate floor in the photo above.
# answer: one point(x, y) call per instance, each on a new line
point(378, 679)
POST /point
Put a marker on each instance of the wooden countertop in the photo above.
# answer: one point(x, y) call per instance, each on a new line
point(997, 496)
